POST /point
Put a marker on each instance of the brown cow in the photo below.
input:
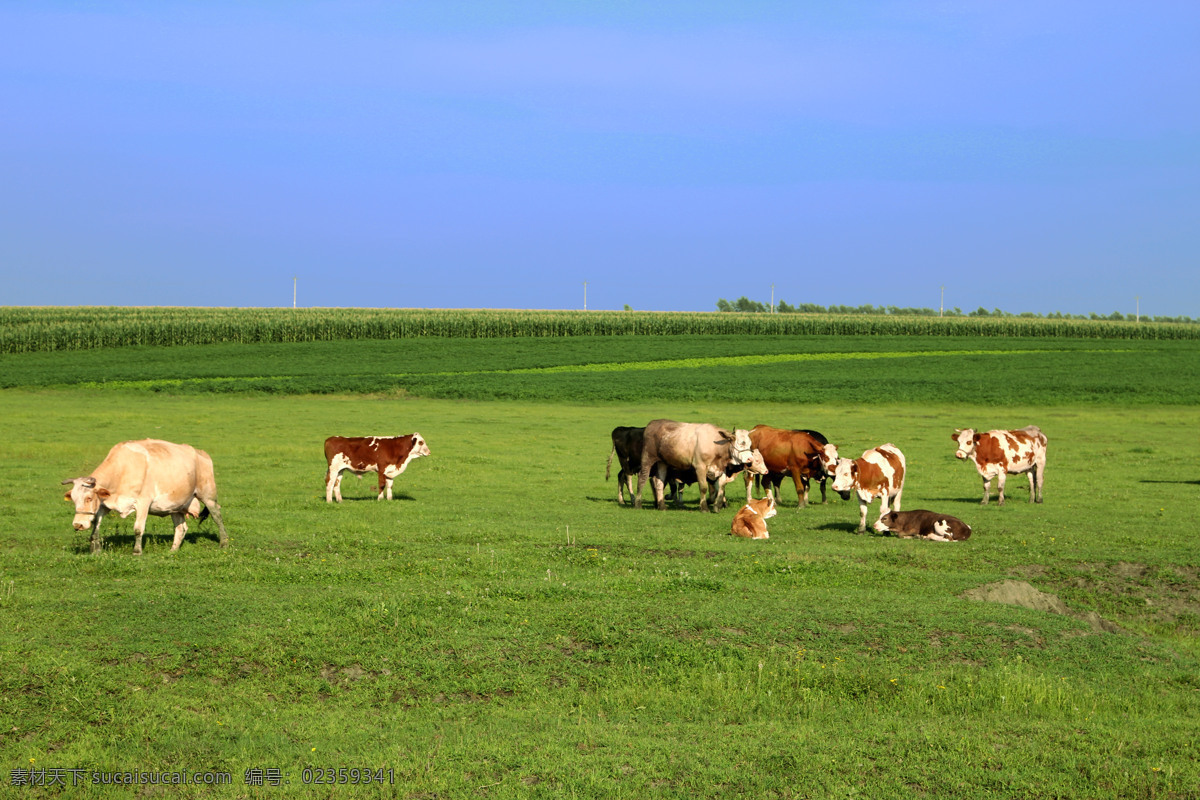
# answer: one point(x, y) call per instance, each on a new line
point(998, 454)
point(799, 453)
point(627, 446)
point(879, 473)
point(387, 455)
point(925, 525)
point(146, 477)
point(705, 448)
point(751, 519)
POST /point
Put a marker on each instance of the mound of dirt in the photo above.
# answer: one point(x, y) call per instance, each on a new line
point(1020, 593)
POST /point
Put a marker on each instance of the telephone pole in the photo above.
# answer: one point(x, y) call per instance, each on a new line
point(585, 295)
point(293, 292)
point(772, 298)
point(942, 302)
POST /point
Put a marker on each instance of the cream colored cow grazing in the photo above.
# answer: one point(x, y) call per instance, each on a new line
point(879, 473)
point(998, 454)
point(146, 477)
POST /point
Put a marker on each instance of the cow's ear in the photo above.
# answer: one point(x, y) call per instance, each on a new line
point(954, 436)
point(67, 497)
point(103, 493)
point(976, 438)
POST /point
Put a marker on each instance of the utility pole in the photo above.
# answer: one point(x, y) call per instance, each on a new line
point(772, 298)
point(585, 295)
point(1137, 308)
point(942, 302)
point(293, 292)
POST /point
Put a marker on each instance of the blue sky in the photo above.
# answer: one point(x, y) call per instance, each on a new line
point(1027, 155)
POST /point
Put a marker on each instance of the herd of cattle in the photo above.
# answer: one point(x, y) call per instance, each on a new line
point(153, 477)
point(673, 454)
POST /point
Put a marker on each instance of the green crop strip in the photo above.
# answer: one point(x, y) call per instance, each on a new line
point(228, 383)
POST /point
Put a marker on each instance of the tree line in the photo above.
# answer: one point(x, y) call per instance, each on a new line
point(746, 305)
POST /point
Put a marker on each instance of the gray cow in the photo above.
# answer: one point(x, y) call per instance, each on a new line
point(705, 449)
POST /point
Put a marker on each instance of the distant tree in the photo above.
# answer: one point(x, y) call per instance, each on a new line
point(628, 308)
point(751, 306)
point(786, 308)
point(724, 305)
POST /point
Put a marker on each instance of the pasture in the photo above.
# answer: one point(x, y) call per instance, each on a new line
point(504, 629)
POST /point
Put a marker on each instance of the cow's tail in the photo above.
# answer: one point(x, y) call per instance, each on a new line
point(608, 466)
point(203, 515)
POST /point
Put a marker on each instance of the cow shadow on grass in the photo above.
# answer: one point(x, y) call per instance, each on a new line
point(1185, 483)
point(122, 540)
point(372, 498)
point(842, 527)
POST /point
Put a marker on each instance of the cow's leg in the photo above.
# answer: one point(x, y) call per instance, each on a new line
point(1041, 474)
point(141, 512)
point(180, 521)
point(824, 500)
point(862, 515)
point(657, 481)
point(702, 480)
point(333, 481)
point(643, 476)
point(987, 490)
point(801, 483)
point(389, 482)
point(214, 511)
point(97, 542)
point(750, 481)
point(629, 476)
point(1000, 481)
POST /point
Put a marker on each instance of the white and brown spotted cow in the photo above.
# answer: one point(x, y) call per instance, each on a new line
point(879, 473)
point(387, 455)
point(998, 454)
point(705, 449)
point(145, 477)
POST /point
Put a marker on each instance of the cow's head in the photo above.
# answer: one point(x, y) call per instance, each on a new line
point(845, 475)
point(770, 510)
point(419, 447)
point(87, 498)
point(828, 454)
point(884, 524)
point(738, 442)
point(965, 438)
point(755, 464)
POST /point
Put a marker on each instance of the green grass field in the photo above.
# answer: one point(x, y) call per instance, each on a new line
point(503, 629)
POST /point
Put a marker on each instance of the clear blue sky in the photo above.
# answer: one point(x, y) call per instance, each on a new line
point(1027, 155)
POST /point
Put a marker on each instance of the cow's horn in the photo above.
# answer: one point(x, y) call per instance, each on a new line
point(69, 481)
point(89, 482)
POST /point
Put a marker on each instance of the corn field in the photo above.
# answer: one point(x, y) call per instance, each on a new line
point(29, 329)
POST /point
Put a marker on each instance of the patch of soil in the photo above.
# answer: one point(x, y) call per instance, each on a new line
point(1020, 593)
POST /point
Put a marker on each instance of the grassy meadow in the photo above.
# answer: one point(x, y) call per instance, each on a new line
point(503, 629)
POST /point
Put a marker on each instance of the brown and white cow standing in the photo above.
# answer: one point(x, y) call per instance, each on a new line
point(704, 448)
point(145, 477)
point(627, 447)
point(802, 454)
point(387, 455)
point(879, 473)
point(998, 454)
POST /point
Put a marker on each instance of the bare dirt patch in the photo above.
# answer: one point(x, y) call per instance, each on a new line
point(1020, 593)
